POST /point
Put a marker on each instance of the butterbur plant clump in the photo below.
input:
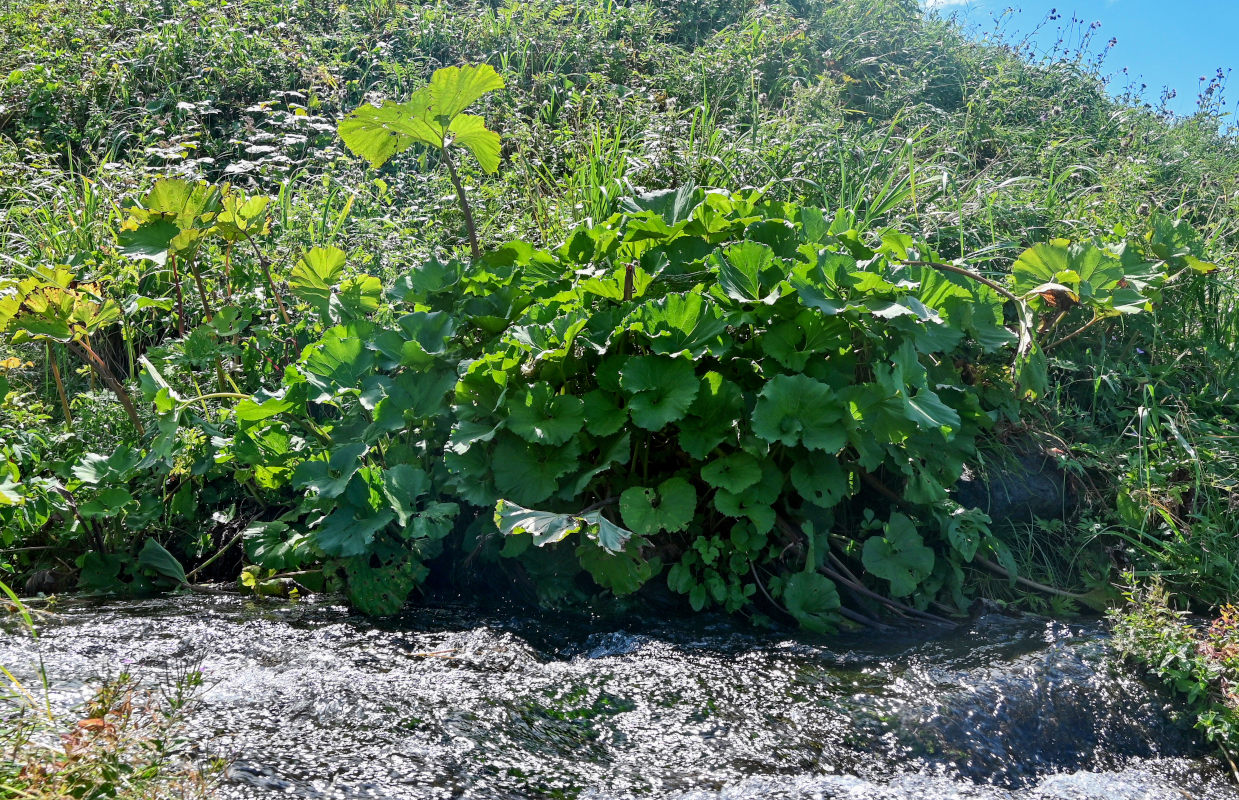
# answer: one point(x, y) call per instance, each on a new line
point(754, 403)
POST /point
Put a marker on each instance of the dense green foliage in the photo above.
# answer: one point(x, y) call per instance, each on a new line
point(559, 365)
point(1200, 663)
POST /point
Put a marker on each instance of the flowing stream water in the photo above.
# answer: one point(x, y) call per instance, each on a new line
point(309, 701)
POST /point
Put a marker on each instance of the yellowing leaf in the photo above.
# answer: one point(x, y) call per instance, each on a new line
point(453, 89)
point(470, 132)
point(379, 133)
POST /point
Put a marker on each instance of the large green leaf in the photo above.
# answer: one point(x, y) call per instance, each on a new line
point(272, 545)
point(735, 472)
point(813, 289)
point(603, 414)
point(453, 89)
point(679, 322)
point(248, 412)
point(928, 411)
point(820, 479)
point(432, 330)
point(429, 116)
point(661, 389)
point(377, 133)
point(100, 470)
point(899, 556)
point(622, 572)
point(545, 527)
point(314, 276)
point(184, 201)
point(740, 269)
point(242, 217)
point(470, 132)
point(148, 240)
point(328, 475)
point(383, 589)
point(794, 342)
point(756, 502)
point(355, 298)
point(108, 503)
point(713, 417)
point(343, 533)
point(154, 556)
point(337, 362)
point(530, 473)
point(403, 485)
point(669, 508)
point(542, 416)
point(812, 599)
point(548, 527)
point(1067, 272)
point(966, 529)
point(796, 409)
point(11, 493)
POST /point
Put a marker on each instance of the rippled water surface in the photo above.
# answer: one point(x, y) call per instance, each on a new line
point(309, 701)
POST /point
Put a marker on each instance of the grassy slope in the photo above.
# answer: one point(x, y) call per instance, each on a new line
point(862, 105)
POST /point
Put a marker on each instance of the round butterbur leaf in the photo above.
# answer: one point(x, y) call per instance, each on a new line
point(735, 472)
point(661, 388)
point(820, 479)
point(669, 508)
point(796, 409)
point(899, 556)
point(812, 599)
point(530, 473)
point(540, 416)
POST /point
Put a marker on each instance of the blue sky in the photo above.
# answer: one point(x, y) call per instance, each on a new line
point(1161, 43)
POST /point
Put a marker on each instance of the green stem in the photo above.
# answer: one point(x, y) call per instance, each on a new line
point(180, 297)
point(266, 271)
point(60, 386)
point(202, 292)
point(227, 546)
point(92, 358)
point(212, 396)
point(470, 228)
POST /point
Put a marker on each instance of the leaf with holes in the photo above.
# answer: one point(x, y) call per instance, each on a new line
point(383, 589)
point(669, 508)
point(545, 527)
point(623, 572)
point(820, 479)
point(735, 472)
point(966, 529)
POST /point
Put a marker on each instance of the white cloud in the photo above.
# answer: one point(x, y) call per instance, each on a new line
point(945, 3)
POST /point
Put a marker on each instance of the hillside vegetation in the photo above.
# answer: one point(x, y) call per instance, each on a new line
point(677, 303)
